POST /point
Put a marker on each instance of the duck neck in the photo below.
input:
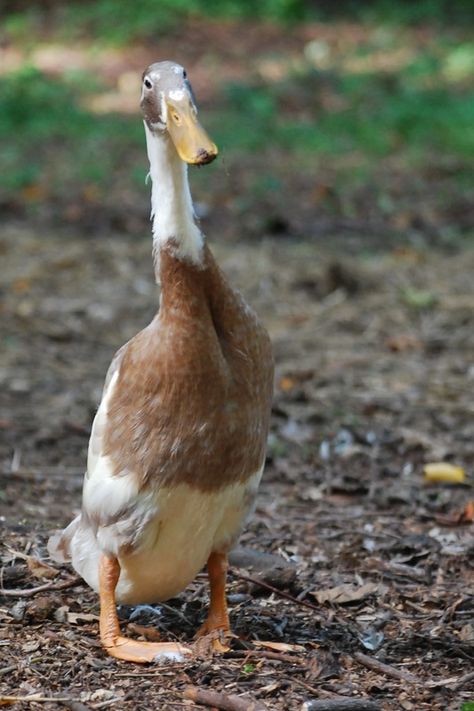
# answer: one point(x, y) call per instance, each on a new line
point(174, 226)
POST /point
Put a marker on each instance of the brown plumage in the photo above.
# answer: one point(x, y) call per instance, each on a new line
point(178, 443)
point(192, 399)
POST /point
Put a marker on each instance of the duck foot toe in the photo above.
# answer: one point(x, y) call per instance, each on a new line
point(131, 650)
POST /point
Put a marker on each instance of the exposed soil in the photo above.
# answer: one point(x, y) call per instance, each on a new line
point(374, 379)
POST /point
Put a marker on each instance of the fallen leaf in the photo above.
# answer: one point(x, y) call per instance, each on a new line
point(280, 646)
point(466, 633)
point(21, 285)
point(347, 593)
point(75, 617)
point(102, 695)
point(40, 609)
point(453, 543)
point(403, 342)
point(273, 686)
point(61, 614)
point(419, 298)
point(467, 516)
point(444, 472)
point(40, 569)
point(459, 518)
point(33, 193)
point(415, 439)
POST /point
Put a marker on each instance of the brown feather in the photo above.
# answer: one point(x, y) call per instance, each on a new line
point(192, 400)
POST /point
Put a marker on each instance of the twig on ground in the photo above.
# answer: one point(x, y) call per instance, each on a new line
point(177, 612)
point(455, 683)
point(341, 705)
point(221, 701)
point(393, 568)
point(38, 699)
point(276, 656)
point(29, 592)
point(280, 593)
point(463, 680)
point(318, 692)
point(7, 670)
point(104, 704)
point(375, 665)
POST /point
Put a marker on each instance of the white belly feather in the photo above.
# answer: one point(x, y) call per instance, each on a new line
point(174, 546)
point(174, 529)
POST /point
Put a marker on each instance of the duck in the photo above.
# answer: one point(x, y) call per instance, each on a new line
point(177, 445)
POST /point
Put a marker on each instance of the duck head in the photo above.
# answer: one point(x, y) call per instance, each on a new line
point(168, 107)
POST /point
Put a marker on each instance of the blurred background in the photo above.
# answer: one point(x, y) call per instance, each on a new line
point(341, 204)
point(361, 114)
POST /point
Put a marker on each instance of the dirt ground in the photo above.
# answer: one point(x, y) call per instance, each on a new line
point(374, 378)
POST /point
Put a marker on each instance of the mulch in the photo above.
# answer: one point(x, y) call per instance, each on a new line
point(367, 599)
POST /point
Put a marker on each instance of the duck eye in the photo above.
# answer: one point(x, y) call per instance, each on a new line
point(184, 74)
point(148, 83)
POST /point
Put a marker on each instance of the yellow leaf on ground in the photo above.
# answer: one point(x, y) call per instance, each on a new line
point(443, 471)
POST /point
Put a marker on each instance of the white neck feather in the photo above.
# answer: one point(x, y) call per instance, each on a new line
point(171, 205)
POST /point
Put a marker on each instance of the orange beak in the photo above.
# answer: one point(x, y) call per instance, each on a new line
point(190, 139)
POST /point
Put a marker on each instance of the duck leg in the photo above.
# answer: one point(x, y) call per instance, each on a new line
point(121, 647)
point(218, 617)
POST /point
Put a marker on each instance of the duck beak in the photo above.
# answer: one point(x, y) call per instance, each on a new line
point(190, 139)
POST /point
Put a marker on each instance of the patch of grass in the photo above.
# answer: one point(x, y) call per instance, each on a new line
point(46, 136)
point(420, 116)
point(34, 104)
point(121, 21)
point(407, 12)
point(414, 112)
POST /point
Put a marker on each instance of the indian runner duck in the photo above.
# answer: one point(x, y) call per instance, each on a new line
point(177, 445)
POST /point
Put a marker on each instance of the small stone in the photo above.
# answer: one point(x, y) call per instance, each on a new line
point(18, 610)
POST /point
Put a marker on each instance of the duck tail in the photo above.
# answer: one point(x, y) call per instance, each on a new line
point(59, 543)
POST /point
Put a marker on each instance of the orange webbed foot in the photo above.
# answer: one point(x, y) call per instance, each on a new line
point(131, 650)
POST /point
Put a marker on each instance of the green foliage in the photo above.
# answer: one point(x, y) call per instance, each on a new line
point(419, 113)
point(281, 10)
point(45, 134)
point(121, 21)
point(248, 668)
point(421, 11)
point(34, 104)
point(467, 706)
point(382, 114)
